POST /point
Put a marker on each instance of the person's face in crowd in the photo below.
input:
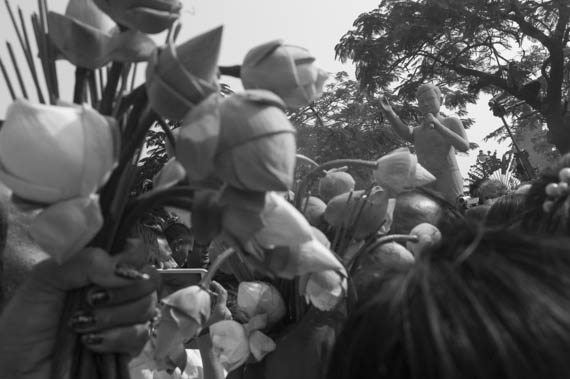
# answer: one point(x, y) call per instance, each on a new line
point(413, 208)
point(429, 102)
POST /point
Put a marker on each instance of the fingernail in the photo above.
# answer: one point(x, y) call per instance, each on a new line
point(129, 272)
point(97, 296)
point(81, 320)
point(91, 339)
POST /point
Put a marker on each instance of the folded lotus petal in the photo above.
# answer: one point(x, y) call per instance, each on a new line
point(257, 143)
point(325, 289)
point(260, 345)
point(98, 132)
point(287, 70)
point(64, 228)
point(81, 44)
point(171, 173)
point(229, 343)
point(199, 55)
point(177, 78)
point(173, 330)
point(192, 303)
point(286, 242)
point(242, 212)
point(53, 153)
point(130, 46)
point(197, 140)
point(166, 100)
point(148, 16)
point(321, 237)
point(398, 171)
point(311, 82)
point(87, 12)
point(256, 298)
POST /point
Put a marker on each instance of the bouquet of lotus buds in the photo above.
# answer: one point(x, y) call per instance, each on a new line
point(75, 160)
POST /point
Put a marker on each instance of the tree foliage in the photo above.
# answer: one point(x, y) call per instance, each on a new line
point(515, 50)
point(343, 123)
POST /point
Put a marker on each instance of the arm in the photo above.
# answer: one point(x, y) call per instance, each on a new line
point(453, 132)
point(399, 127)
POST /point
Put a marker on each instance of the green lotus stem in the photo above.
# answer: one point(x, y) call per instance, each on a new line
point(394, 238)
point(205, 282)
point(328, 165)
point(307, 160)
point(111, 88)
point(80, 80)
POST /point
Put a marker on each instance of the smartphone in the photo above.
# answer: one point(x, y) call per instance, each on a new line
point(174, 279)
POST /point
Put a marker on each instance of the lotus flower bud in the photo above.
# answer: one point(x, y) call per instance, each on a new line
point(399, 171)
point(64, 228)
point(149, 16)
point(229, 344)
point(256, 298)
point(325, 289)
point(256, 149)
point(233, 343)
point(358, 211)
point(180, 77)
point(320, 236)
point(246, 141)
point(335, 183)
point(313, 208)
point(428, 236)
point(87, 12)
point(184, 313)
point(285, 244)
point(89, 38)
point(287, 70)
point(169, 175)
point(385, 256)
point(52, 153)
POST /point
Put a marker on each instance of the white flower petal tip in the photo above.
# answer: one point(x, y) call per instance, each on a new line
point(64, 228)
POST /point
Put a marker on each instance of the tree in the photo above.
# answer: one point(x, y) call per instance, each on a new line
point(515, 50)
point(343, 123)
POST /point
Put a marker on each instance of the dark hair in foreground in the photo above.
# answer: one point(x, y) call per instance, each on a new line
point(493, 305)
point(535, 219)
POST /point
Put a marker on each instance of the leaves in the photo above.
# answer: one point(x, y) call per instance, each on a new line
point(513, 48)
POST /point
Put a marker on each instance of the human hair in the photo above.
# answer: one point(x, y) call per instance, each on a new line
point(482, 305)
point(491, 189)
point(535, 219)
point(507, 211)
point(428, 87)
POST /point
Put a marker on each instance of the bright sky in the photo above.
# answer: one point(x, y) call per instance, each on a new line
point(314, 24)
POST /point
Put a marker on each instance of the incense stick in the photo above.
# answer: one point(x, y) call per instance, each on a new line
point(17, 69)
point(7, 80)
point(40, 41)
point(30, 58)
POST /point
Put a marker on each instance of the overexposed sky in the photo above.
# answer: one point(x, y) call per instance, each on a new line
point(314, 24)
